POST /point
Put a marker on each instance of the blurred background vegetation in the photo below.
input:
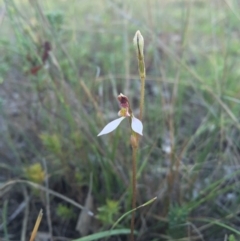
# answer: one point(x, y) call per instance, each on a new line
point(62, 65)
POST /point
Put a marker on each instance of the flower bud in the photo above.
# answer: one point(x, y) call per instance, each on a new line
point(138, 42)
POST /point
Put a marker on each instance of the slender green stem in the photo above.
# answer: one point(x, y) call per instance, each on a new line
point(142, 76)
point(141, 69)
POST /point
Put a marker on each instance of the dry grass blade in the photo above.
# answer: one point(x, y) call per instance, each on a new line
point(84, 220)
point(35, 229)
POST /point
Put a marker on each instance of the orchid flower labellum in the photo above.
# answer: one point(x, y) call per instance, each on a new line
point(124, 112)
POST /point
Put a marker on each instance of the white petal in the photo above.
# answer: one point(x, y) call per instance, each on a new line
point(111, 126)
point(137, 126)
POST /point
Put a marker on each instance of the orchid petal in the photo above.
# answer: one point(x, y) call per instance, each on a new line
point(137, 125)
point(111, 126)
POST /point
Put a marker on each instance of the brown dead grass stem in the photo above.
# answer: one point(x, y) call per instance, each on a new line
point(36, 226)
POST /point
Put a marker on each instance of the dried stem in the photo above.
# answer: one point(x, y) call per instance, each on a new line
point(35, 229)
point(134, 189)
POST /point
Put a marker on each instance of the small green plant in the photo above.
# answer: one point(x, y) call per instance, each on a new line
point(52, 142)
point(35, 173)
point(64, 212)
point(232, 238)
point(55, 19)
point(107, 214)
point(177, 218)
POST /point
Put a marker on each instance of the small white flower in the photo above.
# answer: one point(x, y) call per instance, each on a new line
point(125, 112)
point(136, 126)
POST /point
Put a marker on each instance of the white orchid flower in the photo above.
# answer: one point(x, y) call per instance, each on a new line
point(125, 112)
